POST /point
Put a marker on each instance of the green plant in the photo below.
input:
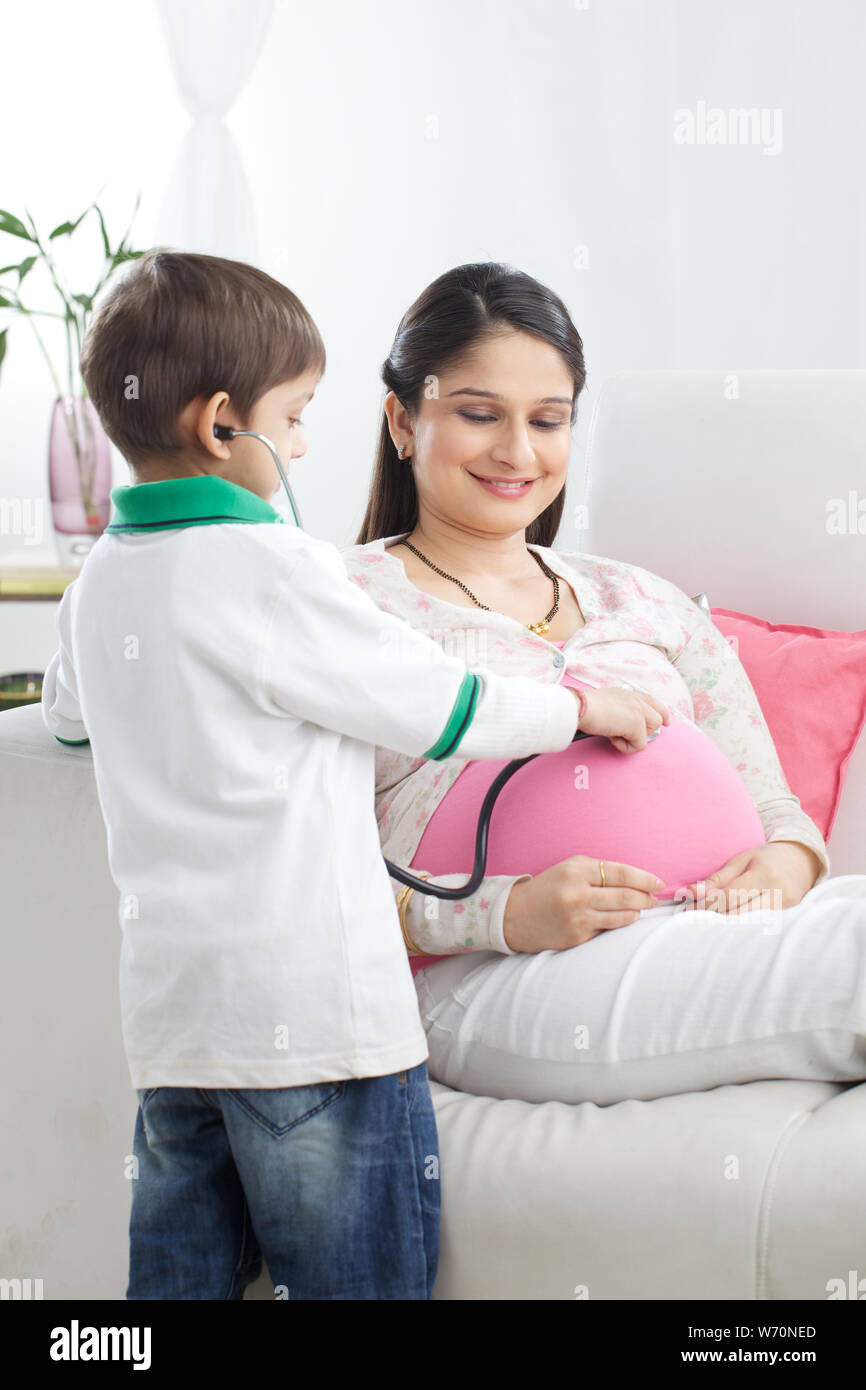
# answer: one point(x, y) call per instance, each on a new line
point(76, 309)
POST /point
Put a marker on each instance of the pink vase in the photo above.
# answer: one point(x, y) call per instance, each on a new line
point(79, 477)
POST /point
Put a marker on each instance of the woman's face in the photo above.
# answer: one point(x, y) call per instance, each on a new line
point(503, 416)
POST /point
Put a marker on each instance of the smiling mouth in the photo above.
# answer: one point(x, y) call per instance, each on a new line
point(504, 485)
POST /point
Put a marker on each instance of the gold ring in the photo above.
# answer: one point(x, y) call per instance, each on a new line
point(601, 870)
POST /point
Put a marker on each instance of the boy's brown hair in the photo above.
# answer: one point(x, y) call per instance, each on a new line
point(178, 325)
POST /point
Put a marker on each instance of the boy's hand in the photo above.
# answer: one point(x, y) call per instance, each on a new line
point(628, 718)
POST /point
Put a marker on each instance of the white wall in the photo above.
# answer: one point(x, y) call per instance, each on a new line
point(555, 131)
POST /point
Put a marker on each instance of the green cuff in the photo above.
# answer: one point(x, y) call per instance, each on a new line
point(459, 719)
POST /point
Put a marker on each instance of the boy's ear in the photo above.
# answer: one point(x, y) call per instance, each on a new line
point(198, 419)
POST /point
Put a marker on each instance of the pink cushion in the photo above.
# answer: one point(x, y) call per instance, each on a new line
point(811, 686)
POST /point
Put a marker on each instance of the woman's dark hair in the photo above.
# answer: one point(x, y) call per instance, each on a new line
point(179, 325)
point(445, 324)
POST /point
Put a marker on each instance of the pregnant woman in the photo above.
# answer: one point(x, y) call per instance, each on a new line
point(569, 975)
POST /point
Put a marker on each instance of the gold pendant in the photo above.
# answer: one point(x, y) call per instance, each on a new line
point(538, 628)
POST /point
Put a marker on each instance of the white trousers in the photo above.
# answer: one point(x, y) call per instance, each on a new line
point(676, 1001)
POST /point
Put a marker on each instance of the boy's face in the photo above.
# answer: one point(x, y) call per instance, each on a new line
point(245, 461)
point(277, 416)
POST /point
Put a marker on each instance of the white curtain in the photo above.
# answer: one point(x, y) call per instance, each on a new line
point(214, 46)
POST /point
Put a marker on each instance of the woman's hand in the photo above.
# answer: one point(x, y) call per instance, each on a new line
point(775, 876)
point(566, 905)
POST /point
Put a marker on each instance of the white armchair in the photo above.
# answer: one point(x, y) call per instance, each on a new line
point(720, 483)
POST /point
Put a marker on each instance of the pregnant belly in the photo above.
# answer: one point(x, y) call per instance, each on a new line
point(676, 808)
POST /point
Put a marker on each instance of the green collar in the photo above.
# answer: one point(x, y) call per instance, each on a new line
point(194, 501)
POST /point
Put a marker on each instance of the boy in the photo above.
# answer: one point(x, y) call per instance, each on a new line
point(233, 683)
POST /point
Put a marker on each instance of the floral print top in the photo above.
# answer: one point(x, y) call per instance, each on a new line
point(640, 630)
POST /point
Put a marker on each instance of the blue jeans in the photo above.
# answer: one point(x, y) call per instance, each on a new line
point(336, 1184)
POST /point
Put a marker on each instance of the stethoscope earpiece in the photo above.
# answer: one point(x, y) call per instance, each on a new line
point(228, 432)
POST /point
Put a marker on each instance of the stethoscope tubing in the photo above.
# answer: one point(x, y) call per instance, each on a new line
point(465, 890)
point(253, 434)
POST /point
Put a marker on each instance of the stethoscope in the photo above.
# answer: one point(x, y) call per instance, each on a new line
point(402, 875)
point(227, 432)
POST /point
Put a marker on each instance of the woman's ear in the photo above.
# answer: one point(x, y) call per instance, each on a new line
point(399, 422)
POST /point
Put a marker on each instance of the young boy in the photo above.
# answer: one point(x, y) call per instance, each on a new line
point(232, 683)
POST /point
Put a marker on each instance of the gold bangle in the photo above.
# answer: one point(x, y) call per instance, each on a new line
point(402, 901)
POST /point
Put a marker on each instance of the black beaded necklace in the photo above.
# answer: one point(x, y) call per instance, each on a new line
point(539, 627)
